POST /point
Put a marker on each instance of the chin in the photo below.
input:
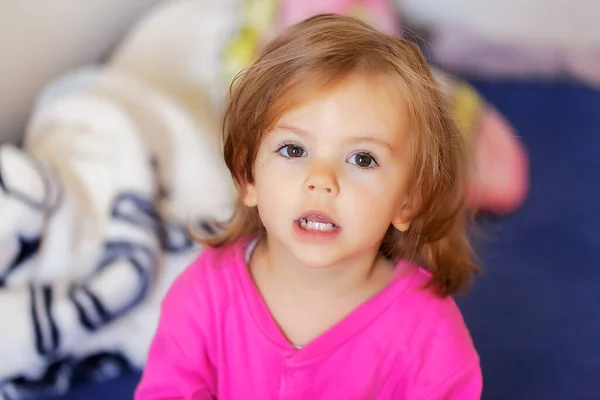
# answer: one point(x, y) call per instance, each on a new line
point(316, 257)
point(317, 264)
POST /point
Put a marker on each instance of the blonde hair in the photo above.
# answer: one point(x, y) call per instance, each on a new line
point(321, 51)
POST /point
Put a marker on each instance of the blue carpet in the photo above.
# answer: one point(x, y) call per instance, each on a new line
point(531, 312)
point(118, 389)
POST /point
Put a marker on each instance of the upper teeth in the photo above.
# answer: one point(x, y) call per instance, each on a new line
point(316, 226)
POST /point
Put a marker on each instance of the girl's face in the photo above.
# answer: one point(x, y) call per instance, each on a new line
point(332, 175)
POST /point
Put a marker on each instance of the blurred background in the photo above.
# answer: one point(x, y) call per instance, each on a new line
point(97, 96)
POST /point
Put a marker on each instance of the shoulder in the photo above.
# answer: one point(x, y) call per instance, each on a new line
point(212, 265)
point(207, 281)
point(436, 342)
point(434, 317)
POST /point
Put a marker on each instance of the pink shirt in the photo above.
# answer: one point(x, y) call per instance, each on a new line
point(217, 340)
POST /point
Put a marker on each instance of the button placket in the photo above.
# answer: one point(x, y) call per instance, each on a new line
point(290, 379)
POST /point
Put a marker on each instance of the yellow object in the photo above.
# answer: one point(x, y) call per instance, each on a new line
point(467, 107)
point(257, 22)
point(360, 12)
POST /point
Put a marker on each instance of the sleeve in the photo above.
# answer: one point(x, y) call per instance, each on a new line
point(465, 384)
point(178, 366)
point(444, 363)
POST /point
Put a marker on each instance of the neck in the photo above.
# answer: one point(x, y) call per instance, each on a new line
point(335, 280)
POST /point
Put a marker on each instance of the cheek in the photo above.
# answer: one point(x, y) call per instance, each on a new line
point(276, 185)
point(376, 196)
point(276, 173)
point(369, 185)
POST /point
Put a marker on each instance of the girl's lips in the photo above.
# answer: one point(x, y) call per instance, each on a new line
point(316, 216)
point(316, 225)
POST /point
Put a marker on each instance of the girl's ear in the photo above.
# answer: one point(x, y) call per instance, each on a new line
point(401, 224)
point(403, 217)
point(249, 195)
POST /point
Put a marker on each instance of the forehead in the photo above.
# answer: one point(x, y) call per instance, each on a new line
point(356, 106)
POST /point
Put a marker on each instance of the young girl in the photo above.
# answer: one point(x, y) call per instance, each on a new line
point(334, 279)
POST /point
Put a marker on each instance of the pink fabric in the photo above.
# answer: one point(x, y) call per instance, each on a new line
point(381, 14)
point(217, 340)
point(500, 181)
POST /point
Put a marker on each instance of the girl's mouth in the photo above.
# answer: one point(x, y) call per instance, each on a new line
point(315, 224)
point(311, 224)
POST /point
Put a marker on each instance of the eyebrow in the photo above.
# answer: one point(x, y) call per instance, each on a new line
point(292, 129)
point(355, 139)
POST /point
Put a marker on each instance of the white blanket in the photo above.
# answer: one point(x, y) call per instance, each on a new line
point(93, 217)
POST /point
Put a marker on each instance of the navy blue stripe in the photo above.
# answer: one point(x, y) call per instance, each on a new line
point(145, 285)
point(27, 249)
point(105, 316)
point(2, 184)
point(83, 318)
point(144, 213)
point(39, 342)
point(170, 231)
point(47, 292)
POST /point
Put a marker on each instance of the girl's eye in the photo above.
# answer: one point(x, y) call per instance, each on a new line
point(291, 151)
point(362, 160)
